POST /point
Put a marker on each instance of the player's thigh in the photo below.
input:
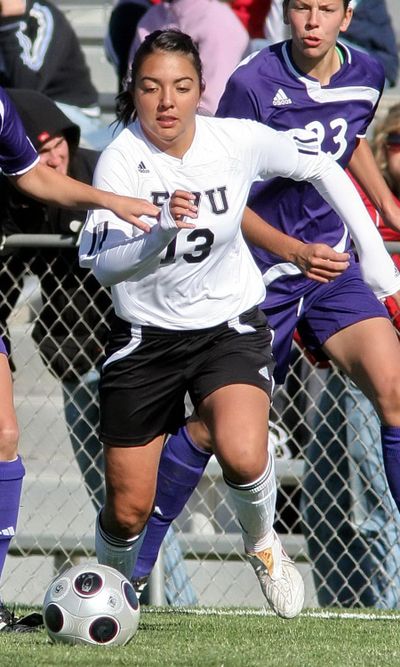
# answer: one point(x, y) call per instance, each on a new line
point(142, 393)
point(237, 416)
point(369, 353)
point(231, 387)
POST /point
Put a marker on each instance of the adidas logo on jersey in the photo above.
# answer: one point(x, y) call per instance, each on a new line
point(142, 168)
point(7, 532)
point(281, 99)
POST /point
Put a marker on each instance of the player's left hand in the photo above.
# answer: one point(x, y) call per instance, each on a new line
point(320, 262)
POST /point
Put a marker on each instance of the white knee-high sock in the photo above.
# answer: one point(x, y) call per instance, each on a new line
point(255, 505)
point(117, 552)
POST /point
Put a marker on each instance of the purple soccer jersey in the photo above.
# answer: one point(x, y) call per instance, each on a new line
point(17, 155)
point(270, 89)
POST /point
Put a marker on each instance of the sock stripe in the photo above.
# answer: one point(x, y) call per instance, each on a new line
point(114, 541)
point(258, 483)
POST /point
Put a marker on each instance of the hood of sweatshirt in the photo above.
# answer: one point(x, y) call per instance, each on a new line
point(42, 118)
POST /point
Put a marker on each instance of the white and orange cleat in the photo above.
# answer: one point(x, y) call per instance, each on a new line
point(280, 580)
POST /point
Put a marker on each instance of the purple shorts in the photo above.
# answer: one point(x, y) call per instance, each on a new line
point(3, 349)
point(320, 313)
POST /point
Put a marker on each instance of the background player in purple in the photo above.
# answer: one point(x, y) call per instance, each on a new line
point(19, 161)
point(311, 82)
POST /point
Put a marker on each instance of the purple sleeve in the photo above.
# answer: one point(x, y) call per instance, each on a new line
point(3, 349)
point(17, 154)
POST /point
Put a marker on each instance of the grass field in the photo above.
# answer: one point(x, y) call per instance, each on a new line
point(227, 638)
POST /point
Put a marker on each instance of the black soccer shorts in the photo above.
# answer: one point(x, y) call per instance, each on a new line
point(145, 378)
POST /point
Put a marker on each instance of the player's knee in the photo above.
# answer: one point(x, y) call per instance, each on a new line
point(388, 400)
point(9, 435)
point(244, 464)
point(242, 452)
point(126, 519)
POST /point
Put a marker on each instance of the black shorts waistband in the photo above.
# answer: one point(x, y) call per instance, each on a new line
point(160, 331)
point(122, 326)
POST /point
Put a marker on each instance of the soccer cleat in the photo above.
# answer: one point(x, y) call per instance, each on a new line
point(139, 585)
point(280, 581)
point(9, 622)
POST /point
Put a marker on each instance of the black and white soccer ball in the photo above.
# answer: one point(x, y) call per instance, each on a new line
point(91, 604)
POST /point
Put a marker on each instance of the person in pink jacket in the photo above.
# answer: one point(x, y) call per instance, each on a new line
point(220, 36)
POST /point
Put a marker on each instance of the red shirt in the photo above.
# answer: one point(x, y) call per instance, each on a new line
point(252, 14)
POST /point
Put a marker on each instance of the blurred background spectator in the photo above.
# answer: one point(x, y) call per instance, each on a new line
point(121, 30)
point(221, 38)
point(371, 29)
point(39, 50)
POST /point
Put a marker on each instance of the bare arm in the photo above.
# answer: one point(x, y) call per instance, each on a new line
point(316, 260)
point(12, 7)
point(365, 170)
point(49, 186)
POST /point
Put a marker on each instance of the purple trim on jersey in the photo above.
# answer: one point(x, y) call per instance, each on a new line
point(3, 349)
point(17, 155)
point(268, 88)
point(318, 314)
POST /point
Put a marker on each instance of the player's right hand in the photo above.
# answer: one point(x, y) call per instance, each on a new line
point(182, 206)
point(320, 262)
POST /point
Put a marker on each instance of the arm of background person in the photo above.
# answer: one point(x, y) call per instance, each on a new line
point(316, 260)
point(366, 171)
point(49, 186)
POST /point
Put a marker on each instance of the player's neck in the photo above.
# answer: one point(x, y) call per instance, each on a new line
point(321, 69)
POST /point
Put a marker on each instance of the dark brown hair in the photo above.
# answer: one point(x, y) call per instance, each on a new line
point(163, 41)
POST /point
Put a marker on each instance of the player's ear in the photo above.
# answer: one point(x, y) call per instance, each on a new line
point(346, 20)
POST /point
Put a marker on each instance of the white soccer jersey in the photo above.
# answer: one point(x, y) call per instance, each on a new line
point(197, 278)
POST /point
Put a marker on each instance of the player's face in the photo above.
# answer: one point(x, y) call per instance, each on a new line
point(166, 97)
point(315, 27)
point(55, 154)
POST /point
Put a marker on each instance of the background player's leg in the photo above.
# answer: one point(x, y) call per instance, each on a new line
point(369, 353)
point(181, 466)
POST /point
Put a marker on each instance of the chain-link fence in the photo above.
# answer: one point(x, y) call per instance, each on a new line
point(334, 513)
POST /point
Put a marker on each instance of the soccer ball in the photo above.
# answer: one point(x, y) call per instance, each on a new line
point(91, 604)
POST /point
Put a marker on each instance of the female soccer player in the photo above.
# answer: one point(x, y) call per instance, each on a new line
point(185, 298)
point(313, 82)
point(19, 161)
